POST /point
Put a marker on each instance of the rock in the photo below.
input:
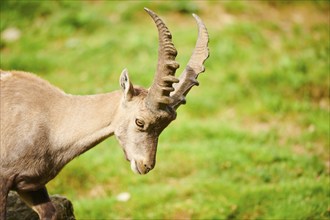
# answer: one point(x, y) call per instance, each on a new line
point(17, 209)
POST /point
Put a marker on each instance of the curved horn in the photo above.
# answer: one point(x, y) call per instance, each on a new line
point(159, 93)
point(194, 67)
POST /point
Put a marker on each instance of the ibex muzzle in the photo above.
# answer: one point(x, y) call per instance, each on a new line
point(43, 128)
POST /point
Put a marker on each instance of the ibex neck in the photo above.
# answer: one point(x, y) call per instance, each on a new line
point(84, 122)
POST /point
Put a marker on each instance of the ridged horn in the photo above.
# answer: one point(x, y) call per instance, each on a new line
point(158, 97)
point(195, 66)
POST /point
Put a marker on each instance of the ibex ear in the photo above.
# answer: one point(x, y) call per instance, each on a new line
point(126, 85)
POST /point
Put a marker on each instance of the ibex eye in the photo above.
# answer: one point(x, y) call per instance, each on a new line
point(139, 123)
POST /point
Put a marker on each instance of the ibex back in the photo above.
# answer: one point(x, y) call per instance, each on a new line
point(43, 128)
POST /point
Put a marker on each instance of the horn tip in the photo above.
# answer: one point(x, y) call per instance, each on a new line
point(149, 11)
point(195, 16)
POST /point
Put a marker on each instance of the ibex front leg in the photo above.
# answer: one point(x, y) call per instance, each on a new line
point(4, 189)
point(5, 184)
point(39, 201)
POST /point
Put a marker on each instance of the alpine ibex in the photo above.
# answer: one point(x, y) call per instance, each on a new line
point(43, 128)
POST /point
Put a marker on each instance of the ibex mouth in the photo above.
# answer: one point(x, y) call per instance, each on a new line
point(134, 167)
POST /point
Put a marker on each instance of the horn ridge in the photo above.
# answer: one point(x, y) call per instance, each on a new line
point(195, 66)
point(158, 97)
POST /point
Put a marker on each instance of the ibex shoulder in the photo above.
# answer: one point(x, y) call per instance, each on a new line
point(25, 81)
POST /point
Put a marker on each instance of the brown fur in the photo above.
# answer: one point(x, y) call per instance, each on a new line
point(43, 128)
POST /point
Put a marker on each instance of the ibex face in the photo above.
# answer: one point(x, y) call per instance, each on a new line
point(145, 113)
point(139, 126)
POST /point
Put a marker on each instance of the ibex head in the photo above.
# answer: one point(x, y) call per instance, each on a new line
point(145, 113)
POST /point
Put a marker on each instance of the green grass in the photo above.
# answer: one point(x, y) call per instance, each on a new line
point(252, 141)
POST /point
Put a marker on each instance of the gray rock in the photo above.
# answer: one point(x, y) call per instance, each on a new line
point(17, 209)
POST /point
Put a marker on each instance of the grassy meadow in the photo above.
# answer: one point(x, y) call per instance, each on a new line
point(252, 142)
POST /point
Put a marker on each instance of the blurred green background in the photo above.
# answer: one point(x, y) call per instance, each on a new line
point(252, 141)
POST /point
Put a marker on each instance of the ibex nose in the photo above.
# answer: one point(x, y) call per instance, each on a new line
point(146, 167)
point(142, 167)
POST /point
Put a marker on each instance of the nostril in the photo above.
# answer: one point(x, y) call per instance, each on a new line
point(147, 168)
